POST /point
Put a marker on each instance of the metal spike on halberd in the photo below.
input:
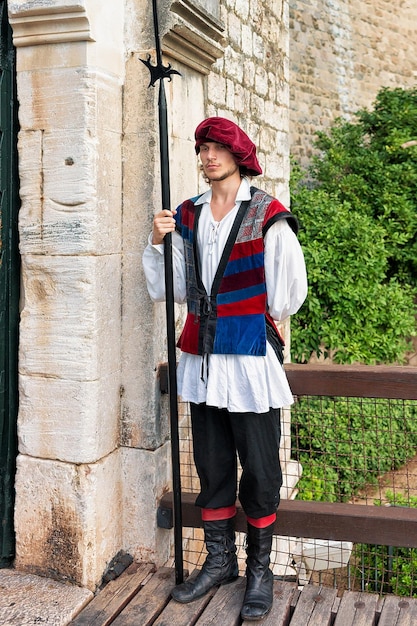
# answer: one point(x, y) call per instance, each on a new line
point(158, 71)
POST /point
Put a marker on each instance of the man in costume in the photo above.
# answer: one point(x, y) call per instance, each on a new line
point(238, 265)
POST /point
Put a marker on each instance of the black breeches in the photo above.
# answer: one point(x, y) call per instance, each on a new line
point(217, 436)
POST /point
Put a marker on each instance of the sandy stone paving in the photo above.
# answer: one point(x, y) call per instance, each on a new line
point(26, 600)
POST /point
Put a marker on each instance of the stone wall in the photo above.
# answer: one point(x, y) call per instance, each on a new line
point(93, 429)
point(342, 52)
point(68, 487)
point(233, 60)
point(250, 83)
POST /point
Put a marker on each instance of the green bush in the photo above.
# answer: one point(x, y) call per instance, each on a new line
point(389, 569)
point(345, 444)
point(357, 207)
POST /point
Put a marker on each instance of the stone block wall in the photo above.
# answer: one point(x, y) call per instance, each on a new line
point(233, 60)
point(68, 482)
point(94, 453)
point(342, 52)
point(250, 83)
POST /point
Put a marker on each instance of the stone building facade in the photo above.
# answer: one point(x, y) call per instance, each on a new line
point(342, 52)
point(94, 454)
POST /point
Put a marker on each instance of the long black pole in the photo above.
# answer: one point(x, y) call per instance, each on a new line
point(159, 72)
point(171, 346)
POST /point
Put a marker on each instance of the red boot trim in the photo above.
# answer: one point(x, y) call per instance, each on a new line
point(214, 515)
point(262, 522)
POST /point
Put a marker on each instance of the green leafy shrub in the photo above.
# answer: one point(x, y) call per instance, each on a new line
point(345, 444)
point(357, 207)
point(389, 569)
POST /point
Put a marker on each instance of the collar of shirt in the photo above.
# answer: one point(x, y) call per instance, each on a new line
point(243, 193)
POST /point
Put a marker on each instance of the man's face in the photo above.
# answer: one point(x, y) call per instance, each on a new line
point(217, 161)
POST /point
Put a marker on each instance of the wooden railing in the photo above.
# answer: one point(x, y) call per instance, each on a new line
point(390, 526)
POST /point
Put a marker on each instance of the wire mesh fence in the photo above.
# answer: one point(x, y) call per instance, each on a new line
point(334, 449)
point(356, 449)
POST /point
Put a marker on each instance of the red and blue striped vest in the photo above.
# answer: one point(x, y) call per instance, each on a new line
point(233, 318)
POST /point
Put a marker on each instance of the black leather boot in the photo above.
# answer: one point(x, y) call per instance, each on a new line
point(220, 566)
point(259, 578)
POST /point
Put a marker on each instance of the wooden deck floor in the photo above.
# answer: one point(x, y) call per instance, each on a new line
point(141, 597)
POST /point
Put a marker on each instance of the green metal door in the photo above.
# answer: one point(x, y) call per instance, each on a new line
point(9, 287)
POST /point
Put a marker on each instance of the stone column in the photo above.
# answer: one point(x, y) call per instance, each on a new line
point(68, 484)
point(191, 42)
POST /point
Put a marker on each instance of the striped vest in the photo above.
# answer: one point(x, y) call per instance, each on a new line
point(232, 319)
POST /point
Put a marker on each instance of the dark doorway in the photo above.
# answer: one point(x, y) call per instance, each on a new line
point(9, 286)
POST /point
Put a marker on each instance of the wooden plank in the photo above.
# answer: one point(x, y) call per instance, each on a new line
point(227, 601)
point(177, 614)
point(111, 600)
point(149, 602)
point(357, 609)
point(361, 381)
point(390, 526)
point(294, 598)
point(281, 608)
point(314, 606)
point(335, 606)
point(398, 612)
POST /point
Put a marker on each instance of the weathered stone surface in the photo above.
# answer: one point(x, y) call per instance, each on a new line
point(144, 326)
point(144, 474)
point(68, 420)
point(67, 520)
point(342, 54)
point(45, 32)
point(29, 600)
point(70, 322)
point(48, 99)
point(250, 84)
point(70, 190)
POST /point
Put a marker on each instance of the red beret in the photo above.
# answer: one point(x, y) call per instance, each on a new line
point(222, 130)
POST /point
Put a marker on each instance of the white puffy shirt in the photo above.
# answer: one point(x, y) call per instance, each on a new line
point(239, 383)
